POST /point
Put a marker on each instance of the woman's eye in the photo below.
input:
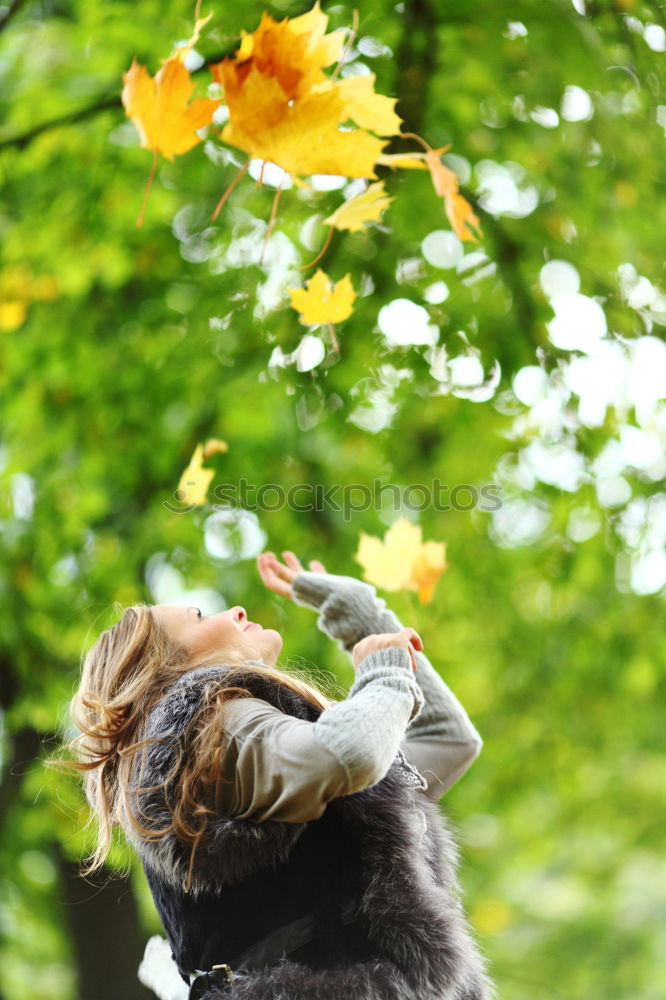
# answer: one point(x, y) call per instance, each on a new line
point(199, 615)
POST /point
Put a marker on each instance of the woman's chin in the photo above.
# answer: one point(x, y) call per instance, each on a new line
point(266, 645)
point(271, 645)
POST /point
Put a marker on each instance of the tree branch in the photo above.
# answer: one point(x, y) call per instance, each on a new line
point(25, 138)
point(102, 103)
point(9, 13)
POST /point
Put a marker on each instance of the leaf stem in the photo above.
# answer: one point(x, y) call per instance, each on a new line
point(412, 605)
point(149, 183)
point(218, 207)
point(348, 44)
point(327, 243)
point(271, 222)
point(331, 330)
point(417, 138)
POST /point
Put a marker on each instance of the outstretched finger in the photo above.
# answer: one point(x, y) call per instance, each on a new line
point(270, 578)
point(292, 561)
point(316, 566)
point(271, 562)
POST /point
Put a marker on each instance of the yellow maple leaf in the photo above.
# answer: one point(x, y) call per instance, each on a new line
point(365, 207)
point(195, 480)
point(159, 107)
point(323, 302)
point(294, 51)
point(402, 561)
point(284, 109)
point(321, 49)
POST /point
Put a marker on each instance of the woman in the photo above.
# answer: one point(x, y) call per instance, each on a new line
point(292, 844)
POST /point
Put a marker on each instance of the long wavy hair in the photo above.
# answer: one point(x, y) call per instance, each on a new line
point(124, 675)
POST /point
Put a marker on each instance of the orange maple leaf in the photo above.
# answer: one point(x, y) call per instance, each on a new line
point(458, 210)
point(284, 109)
point(159, 108)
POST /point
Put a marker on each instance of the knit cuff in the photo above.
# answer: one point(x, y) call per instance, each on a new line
point(391, 666)
point(348, 609)
point(311, 589)
point(365, 730)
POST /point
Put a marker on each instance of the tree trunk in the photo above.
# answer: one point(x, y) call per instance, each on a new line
point(107, 940)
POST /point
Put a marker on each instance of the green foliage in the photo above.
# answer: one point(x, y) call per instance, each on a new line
point(143, 342)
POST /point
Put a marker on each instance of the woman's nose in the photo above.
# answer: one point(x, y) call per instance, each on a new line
point(238, 613)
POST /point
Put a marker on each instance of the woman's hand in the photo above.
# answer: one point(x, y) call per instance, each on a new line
point(277, 576)
point(408, 638)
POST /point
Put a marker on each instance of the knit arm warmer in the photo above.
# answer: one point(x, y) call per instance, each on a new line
point(365, 730)
point(281, 768)
point(348, 611)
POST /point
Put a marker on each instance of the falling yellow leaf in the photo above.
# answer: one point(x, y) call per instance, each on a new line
point(159, 107)
point(195, 480)
point(458, 209)
point(365, 207)
point(284, 109)
point(323, 302)
point(214, 446)
point(402, 561)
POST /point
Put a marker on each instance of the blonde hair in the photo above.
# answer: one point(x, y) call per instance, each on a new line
point(124, 675)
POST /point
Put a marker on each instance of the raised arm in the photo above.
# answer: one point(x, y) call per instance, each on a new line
point(276, 767)
point(441, 742)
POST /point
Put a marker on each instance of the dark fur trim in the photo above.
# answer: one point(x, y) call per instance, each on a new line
point(235, 848)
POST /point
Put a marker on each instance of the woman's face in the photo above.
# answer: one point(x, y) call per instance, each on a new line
point(206, 635)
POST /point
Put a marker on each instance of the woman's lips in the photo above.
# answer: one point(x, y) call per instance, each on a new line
point(251, 625)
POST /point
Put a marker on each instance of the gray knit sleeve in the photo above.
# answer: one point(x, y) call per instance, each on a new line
point(365, 730)
point(278, 767)
point(348, 609)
